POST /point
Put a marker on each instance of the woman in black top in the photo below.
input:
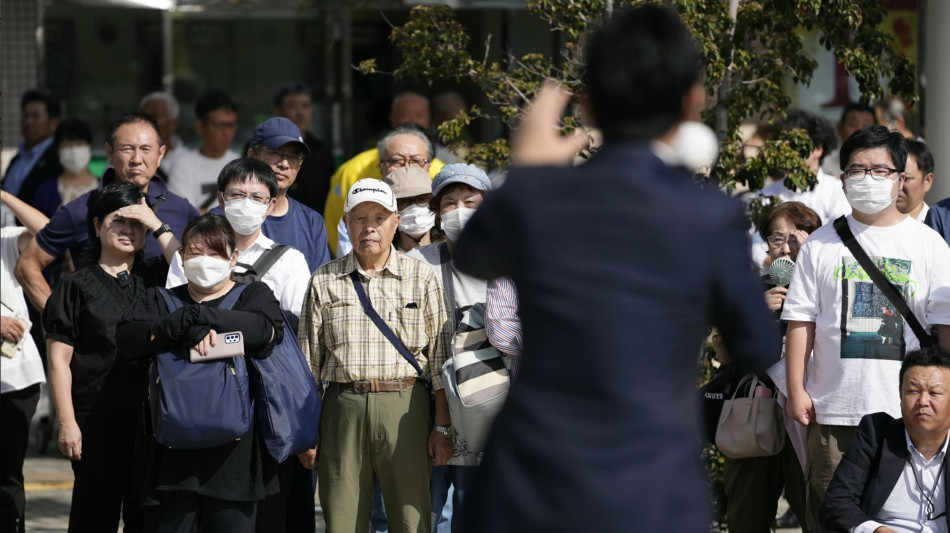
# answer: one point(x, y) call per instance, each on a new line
point(212, 489)
point(98, 395)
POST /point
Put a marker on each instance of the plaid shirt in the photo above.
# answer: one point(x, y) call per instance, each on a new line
point(342, 342)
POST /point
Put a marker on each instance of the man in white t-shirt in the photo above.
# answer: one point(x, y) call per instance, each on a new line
point(195, 174)
point(837, 314)
point(918, 177)
point(826, 197)
point(247, 193)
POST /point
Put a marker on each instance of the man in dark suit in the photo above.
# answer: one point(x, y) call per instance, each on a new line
point(621, 265)
point(37, 159)
point(293, 101)
point(894, 474)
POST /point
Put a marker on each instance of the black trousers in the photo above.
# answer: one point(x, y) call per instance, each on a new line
point(16, 411)
point(290, 510)
point(189, 512)
point(103, 485)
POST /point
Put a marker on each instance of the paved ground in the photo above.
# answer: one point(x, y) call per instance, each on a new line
point(49, 482)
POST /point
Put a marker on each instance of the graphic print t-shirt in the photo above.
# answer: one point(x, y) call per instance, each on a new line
point(860, 338)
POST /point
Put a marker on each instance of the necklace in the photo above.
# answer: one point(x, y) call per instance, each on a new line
point(928, 498)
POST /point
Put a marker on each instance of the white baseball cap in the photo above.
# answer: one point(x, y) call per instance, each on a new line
point(370, 190)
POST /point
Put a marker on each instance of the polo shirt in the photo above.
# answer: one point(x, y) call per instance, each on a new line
point(67, 228)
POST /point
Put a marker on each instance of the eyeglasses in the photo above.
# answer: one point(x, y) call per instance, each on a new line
point(422, 199)
point(399, 162)
point(878, 173)
point(240, 195)
point(272, 157)
point(777, 241)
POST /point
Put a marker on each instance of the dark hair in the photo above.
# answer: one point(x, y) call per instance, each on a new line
point(852, 107)
point(43, 96)
point(435, 203)
point(111, 198)
point(876, 136)
point(72, 129)
point(923, 156)
point(925, 356)
point(287, 89)
point(245, 168)
point(639, 66)
point(209, 102)
point(820, 130)
point(131, 118)
point(214, 231)
point(800, 215)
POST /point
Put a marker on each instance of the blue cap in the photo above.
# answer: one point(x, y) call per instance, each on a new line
point(470, 175)
point(276, 132)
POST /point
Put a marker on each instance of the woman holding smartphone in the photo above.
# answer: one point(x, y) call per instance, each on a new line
point(98, 394)
point(212, 489)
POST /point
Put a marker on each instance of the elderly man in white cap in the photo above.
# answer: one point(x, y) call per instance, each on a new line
point(373, 326)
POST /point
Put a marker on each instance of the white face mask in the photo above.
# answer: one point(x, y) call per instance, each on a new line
point(75, 158)
point(206, 271)
point(868, 195)
point(454, 221)
point(416, 219)
point(246, 215)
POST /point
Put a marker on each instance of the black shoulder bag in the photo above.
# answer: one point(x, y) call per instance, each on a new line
point(885, 286)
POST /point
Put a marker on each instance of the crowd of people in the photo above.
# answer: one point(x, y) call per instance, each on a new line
point(378, 266)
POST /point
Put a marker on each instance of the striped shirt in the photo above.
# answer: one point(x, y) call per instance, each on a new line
point(343, 344)
point(501, 319)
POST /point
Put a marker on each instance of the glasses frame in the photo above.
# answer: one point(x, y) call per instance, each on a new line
point(295, 161)
point(867, 172)
point(401, 162)
point(241, 195)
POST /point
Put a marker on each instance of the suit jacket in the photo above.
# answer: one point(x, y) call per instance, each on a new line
point(620, 264)
point(870, 468)
point(47, 167)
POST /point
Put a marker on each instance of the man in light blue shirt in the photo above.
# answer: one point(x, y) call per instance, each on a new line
point(36, 160)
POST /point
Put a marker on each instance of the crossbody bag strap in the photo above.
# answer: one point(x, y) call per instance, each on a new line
point(378, 320)
point(885, 286)
point(260, 267)
point(158, 202)
point(448, 287)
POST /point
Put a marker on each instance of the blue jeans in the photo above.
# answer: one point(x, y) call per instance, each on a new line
point(447, 489)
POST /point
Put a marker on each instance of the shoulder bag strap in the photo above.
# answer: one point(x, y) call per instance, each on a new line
point(232, 297)
point(886, 287)
point(260, 267)
point(448, 288)
point(159, 201)
point(378, 320)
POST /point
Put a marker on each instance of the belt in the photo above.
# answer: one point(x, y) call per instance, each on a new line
point(377, 385)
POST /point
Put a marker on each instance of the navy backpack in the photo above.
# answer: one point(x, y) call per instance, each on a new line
point(198, 405)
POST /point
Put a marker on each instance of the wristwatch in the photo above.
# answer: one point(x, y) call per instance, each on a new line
point(445, 430)
point(161, 230)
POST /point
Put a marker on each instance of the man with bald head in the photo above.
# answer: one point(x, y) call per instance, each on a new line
point(135, 152)
point(164, 109)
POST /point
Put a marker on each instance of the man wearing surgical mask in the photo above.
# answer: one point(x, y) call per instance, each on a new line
point(413, 189)
point(247, 190)
point(73, 142)
point(834, 311)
